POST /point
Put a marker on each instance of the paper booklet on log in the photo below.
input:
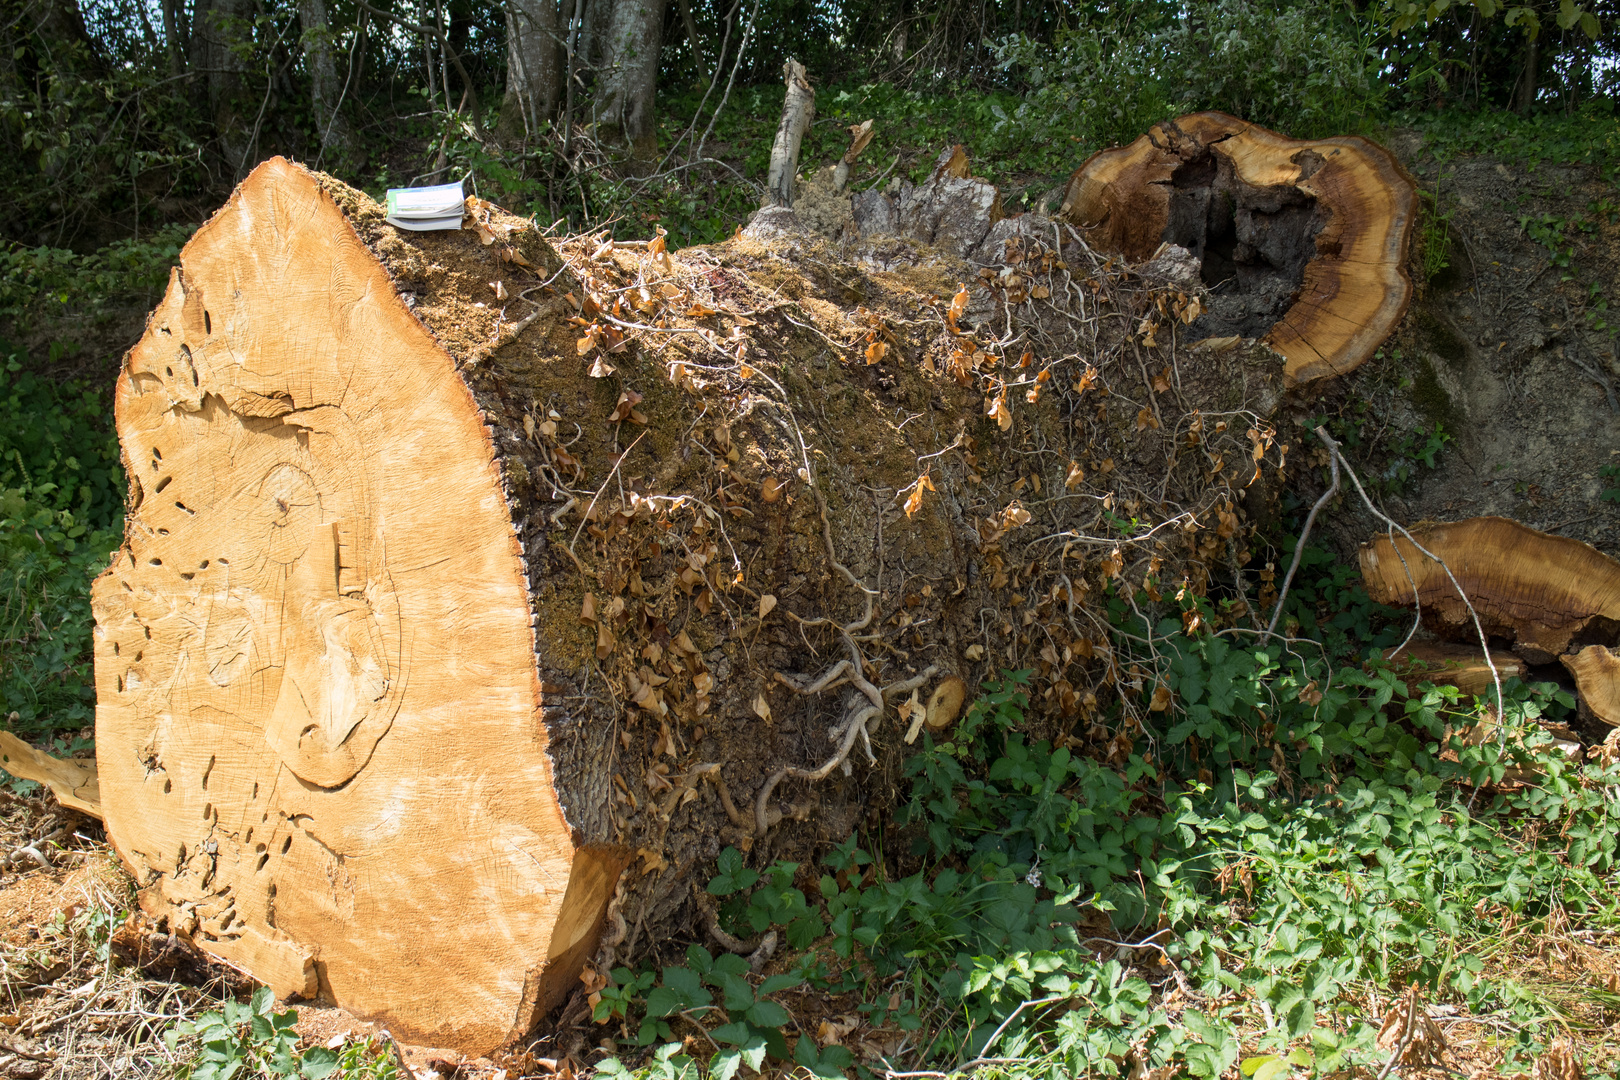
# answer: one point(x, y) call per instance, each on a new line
point(426, 208)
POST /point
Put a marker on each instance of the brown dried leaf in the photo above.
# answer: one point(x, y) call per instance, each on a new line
point(625, 409)
point(1408, 1023)
point(914, 500)
point(1147, 331)
point(959, 304)
point(876, 351)
point(767, 604)
point(1161, 699)
point(762, 708)
point(770, 489)
point(1076, 476)
point(997, 408)
point(600, 368)
point(1015, 515)
point(1559, 1062)
point(587, 610)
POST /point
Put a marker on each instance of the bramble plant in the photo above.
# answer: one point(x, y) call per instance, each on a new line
point(1293, 829)
point(249, 1040)
point(61, 513)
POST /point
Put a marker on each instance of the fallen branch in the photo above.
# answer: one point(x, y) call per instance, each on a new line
point(1304, 534)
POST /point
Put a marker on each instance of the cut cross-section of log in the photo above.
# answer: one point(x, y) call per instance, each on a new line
point(1597, 676)
point(1539, 591)
point(1446, 664)
point(1303, 242)
point(315, 634)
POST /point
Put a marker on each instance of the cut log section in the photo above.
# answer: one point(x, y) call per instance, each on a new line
point(316, 632)
point(1304, 242)
point(1597, 676)
point(1453, 665)
point(1553, 597)
point(1539, 591)
point(73, 782)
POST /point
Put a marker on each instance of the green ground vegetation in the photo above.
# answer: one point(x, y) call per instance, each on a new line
point(1294, 838)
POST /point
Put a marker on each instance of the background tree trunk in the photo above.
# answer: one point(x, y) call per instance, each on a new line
point(326, 88)
point(534, 65)
point(174, 35)
point(628, 81)
point(217, 26)
point(1524, 93)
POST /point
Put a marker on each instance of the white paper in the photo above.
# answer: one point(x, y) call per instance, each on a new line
point(427, 202)
point(421, 224)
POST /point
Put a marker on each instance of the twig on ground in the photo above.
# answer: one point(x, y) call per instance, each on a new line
point(1479, 630)
point(1299, 546)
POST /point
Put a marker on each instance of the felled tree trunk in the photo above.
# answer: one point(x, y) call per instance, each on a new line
point(472, 601)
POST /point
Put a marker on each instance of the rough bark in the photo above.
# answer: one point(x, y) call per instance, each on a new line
point(951, 210)
point(1310, 238)
point(798, 110)
point(534, 64)
point(326, 88)
point(451, 627)
point(628, 81)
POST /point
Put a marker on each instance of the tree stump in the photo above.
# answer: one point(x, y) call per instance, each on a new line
point(1307, 238)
